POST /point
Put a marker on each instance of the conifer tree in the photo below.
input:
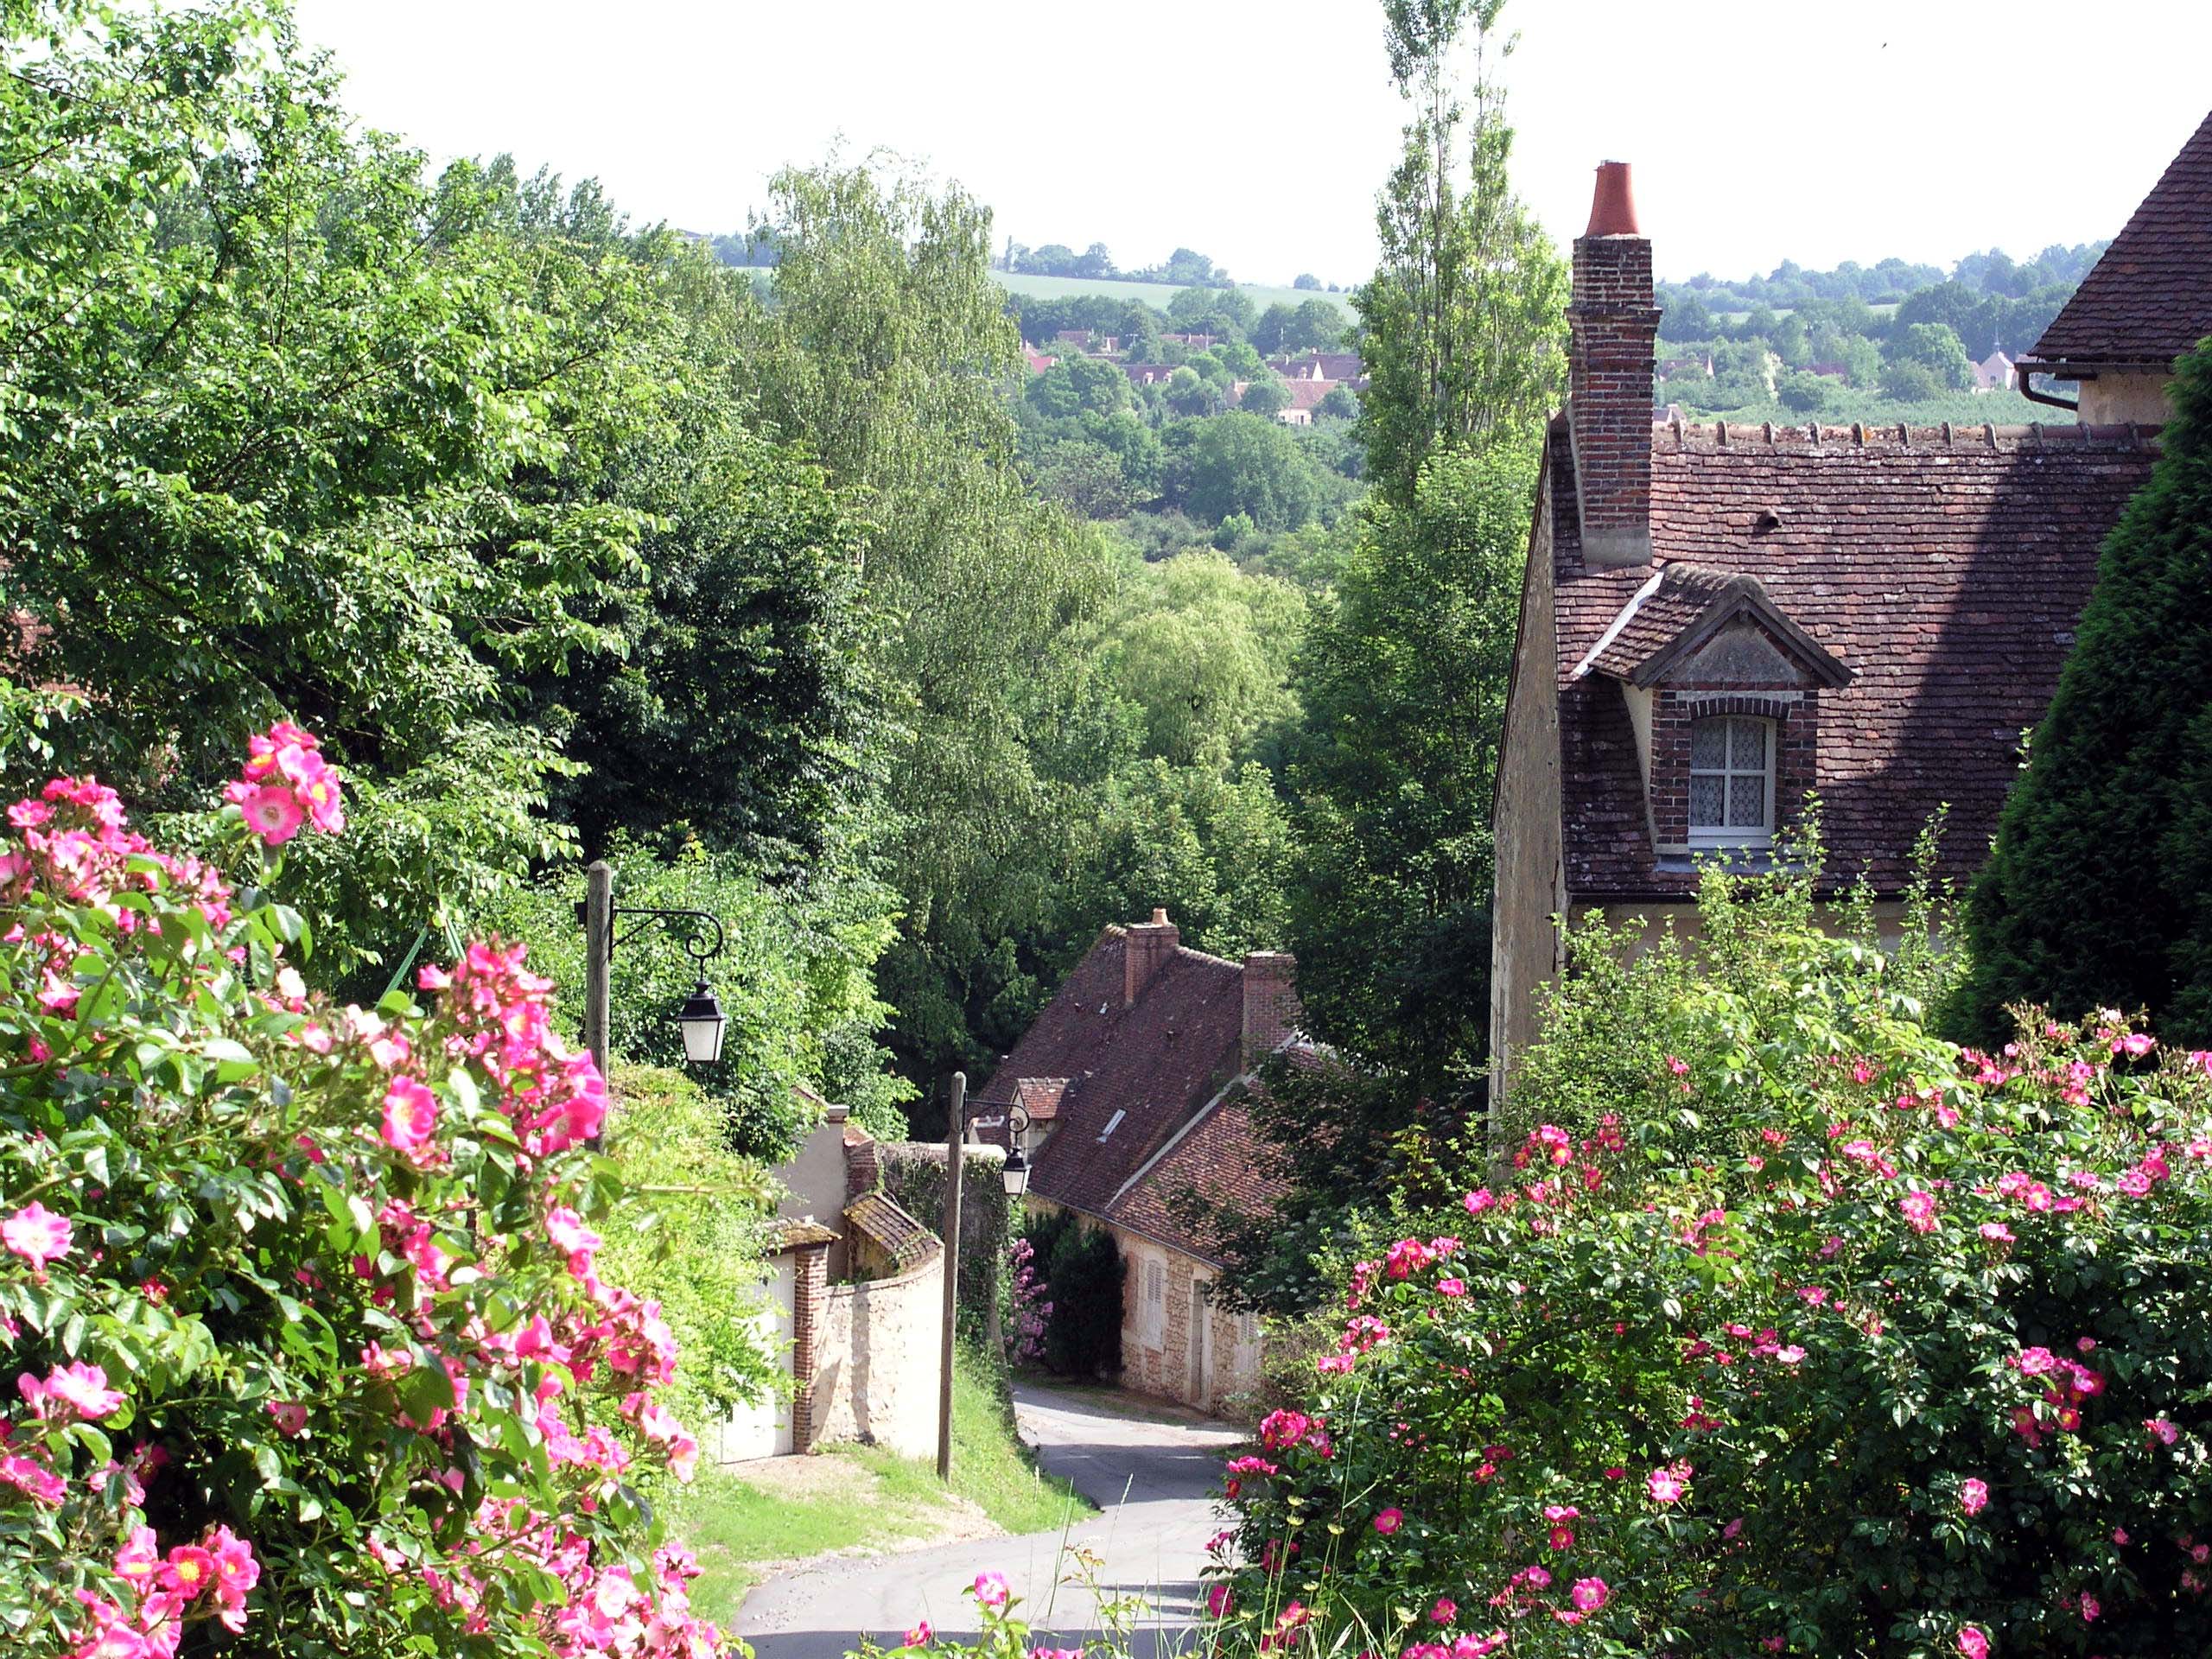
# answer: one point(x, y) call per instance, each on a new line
point(2099, 893)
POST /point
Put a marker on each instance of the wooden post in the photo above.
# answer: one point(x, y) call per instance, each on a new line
point(599, 952)
point(955, 1159)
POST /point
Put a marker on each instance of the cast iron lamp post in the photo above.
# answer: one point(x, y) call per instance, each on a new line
point(701, 1017)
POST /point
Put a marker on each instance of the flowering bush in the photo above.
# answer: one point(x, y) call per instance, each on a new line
point(1863, 1344)
point(300, 1302)
point(1029, 1308)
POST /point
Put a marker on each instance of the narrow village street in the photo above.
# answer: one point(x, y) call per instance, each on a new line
point(1151, 1470)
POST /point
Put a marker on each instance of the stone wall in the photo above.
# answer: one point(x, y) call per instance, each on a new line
point(878, 1360)
point(1531, 881)
point(1156, 1336)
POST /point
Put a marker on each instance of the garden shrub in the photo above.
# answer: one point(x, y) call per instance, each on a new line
point(689, 1234)
point(1084, 1271)
point(303, 1301)
point(1837, 1340)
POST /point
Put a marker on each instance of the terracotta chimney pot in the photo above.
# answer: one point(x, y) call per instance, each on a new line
point(1612, 209)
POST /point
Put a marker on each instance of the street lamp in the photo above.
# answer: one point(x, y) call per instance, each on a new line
point(703, 1022)
point(1016, 1170)
point(701, 1018)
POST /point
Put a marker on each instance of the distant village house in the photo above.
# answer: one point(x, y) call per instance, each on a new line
point(1136, 1078)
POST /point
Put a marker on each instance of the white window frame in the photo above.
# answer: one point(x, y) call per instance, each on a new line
point(1704, 836)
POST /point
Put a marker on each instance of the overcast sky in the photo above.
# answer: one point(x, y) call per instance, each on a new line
point(1257, 132)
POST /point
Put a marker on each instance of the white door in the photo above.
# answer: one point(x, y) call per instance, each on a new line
point(763, 1429)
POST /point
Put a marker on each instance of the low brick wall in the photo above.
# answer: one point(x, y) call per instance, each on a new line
point(878, 1348)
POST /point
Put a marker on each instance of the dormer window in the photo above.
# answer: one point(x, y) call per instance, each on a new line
point(1732, 782)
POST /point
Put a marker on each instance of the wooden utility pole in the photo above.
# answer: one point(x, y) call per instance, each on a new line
point(599, 939)
point(954, 1161)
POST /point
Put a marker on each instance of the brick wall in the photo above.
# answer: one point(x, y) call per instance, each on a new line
point(1796, 715)
point(810, 1290)
point(1271, 1010)
point(1613, 326)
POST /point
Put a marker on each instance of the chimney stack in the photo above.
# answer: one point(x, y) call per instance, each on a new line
point(1614, 326)
point(1271, 1010)
point(1148, 947)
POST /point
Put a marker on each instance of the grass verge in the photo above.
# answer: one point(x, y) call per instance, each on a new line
point(859, 1497)
point(991, 1468)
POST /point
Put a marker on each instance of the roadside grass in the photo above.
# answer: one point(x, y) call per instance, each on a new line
point(864, 1497)
point(991, 1468)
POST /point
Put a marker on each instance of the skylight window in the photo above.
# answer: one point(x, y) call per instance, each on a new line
point(1112, 1124)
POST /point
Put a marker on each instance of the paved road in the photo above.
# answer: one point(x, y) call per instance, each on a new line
point(1150, 1474)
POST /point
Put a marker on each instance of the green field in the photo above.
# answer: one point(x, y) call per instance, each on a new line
point(1155, 294)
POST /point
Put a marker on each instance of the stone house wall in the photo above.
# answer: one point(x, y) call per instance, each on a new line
point(1156, 1347)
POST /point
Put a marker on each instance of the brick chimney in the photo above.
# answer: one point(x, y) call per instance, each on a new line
point(1150, 944)
point(1614, 326)
point(1271, 1010)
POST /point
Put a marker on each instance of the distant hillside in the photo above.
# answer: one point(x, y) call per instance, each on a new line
point(1155, 294)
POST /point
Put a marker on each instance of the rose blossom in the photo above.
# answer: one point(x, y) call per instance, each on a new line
point(921, 1635)
point(1974, 1496)
point(1589, 1594)
point(37, 1235)
point(411, 1116)
point(1973, 1642)
point(991, 1590)
point(1389, 1521)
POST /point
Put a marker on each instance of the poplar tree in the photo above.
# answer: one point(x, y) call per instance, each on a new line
point(1462, 328)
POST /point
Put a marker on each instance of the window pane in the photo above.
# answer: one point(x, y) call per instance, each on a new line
point(1709, 744)
point(1750, 744)
point(1704, 803)
point(1746, 803)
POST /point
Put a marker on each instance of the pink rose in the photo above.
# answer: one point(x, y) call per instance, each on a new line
point(1389, 1521)
point(411, 1116)
point(1974, 1496)
point(991, 1590)
point(37, 1235)
point(1589, 1594)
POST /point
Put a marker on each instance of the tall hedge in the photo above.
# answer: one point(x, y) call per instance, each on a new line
point(914, 1175)
point(1084, 1271)
point(2099, 892)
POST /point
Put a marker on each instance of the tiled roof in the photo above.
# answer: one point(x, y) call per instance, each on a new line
point(881, 1219)
point(1135, 1076)
point(2148, 299)
point(1218, 1158)
point(1308, 394)
point(1040, 1096)
point(1946, 568)
point(1685, 604)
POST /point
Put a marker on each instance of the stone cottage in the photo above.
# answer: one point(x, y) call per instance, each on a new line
point(854, 1300)
point(1716, 619)
point(1136, 1079)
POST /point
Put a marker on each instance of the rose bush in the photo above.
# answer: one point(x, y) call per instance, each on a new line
point(1853, 1343)
point(301, 1302)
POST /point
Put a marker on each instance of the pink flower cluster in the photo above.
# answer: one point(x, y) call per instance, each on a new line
point(213, 1576)
point(2065, 1385)
point(284, 784)
point(555, 1096)
point(74, 845)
